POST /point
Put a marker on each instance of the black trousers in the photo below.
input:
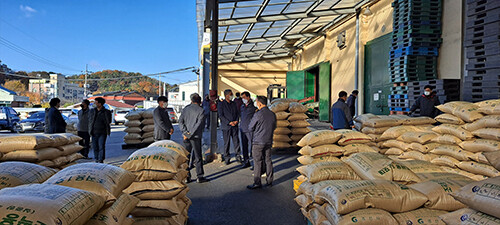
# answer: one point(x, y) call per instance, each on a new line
point(193, 145)
point(207, 120)
point(227, 135)
point(246, 147)
point(85, 142)
point(261, 157)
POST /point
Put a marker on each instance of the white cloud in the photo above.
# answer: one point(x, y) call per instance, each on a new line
point(28, 11)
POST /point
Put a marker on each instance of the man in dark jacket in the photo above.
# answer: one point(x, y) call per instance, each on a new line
point(247, 111)
point(191, 124)
point(163, 125)
point(426, 103)
point(99, 128)
point(206, 111)
point(341, 115)
point(229, 117)
point(83, 128)
point(351, 102)
point(262, 126)
point(238, 101)
point(56, 123)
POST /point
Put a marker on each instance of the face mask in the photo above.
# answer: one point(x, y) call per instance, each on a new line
point(427, 93)
point(231, 98)
point(245, 101)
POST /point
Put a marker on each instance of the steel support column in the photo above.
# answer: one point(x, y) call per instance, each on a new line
point(215, 73)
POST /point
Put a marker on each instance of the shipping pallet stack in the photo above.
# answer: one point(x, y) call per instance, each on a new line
point(407, 92)
point(482, 42)
point(415, 43)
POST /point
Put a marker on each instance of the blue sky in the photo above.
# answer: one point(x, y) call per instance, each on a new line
point(147, 36)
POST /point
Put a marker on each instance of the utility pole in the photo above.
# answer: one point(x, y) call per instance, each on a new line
point(159, 85)
point(164, 89)
point(85, 85)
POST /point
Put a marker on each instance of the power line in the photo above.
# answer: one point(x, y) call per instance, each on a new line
point(32, 55)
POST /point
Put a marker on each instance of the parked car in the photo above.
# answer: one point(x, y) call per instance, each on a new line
point(172, 115)
point(8, 118)
point(120, 116)
point(36, 122)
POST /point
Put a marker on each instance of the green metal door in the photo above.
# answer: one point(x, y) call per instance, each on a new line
point(295, 87)
point(376, 78)
point(324, 91)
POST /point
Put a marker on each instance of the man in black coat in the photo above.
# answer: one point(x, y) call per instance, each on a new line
point(262, 125)
point(99, 128)
point(54, 121)
point(191, 124)
point(229, 118)
point(163, 125)
point(247, 111)
point(426, 103)
point(351, 102)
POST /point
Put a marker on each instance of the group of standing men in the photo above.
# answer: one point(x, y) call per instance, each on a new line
point(95, 123)
point(256, 124)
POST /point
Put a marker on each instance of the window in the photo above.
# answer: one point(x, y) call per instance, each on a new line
point(183, 96)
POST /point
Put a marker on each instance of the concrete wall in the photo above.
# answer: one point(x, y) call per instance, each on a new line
point(371, 27)
point(253, 77)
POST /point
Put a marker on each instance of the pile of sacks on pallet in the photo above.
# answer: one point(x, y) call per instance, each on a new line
point(152, 192)
point(160, 183)
point(72, 127)
point(139, 127)
point(367, 187)
point(468, 133)
point(291, 124)
point(51, 150)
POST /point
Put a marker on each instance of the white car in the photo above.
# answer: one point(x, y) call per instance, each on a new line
point(120, 116)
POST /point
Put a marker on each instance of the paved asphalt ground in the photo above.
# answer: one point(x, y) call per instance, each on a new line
point(225, 199)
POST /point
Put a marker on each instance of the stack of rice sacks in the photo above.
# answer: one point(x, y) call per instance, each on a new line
point(291, 124)
point(72, 127)
point(148, 126)
point(51, 150)
point(160, 183)
point(133, 128)
point(368, 187)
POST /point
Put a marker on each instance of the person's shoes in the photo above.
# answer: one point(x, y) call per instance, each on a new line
point(238, 159)
point(188, 180)
point(202, 180)
point(245, 165)
point(227, 161)
point(251, 168)
point(268, 185)
point(254, 186)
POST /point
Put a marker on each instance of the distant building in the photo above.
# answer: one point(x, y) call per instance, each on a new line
point(130, 98)
point(182, 92)
point(57, 86)
point(10, 98)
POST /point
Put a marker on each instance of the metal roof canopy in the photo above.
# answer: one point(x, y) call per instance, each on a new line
point(252, 30)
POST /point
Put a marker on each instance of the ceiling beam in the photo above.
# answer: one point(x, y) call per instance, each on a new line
point(258, 52)
point(270, 38)
point(285, 16)
point(254, 58)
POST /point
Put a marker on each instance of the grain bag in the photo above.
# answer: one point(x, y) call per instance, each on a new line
point(32, 155)
point(117, 213)
point(319, 137)
point(488, 133)
point(174, 220)
point(393, 151)
point(421, 120)
point(375, 166)
point(154, 190)
point(147, 114)
point(282, 115)
point(464, 110)
point(10, 143)
point(132, 136)
point(467, 216)
point(395, 132)
point(491, 107)
point(154, 163)
point(284, 100)
point(478, 168)
point(492, 121)
point(493, 158)
point(363, 118)
point(132, 123)
point(416, 155)
point(438, 190)
point(417, 136)
point(133, 115)
point(453, 151)
point(352, 137)
point(423, 148)
point(299, 123)
point(148, 128)
point(481, 196)
point(444, 160)
point(447, 139)
point(461, 172)
point(420, 216)
point(323, 150)
point(48, 204)
point(148, 135)
point(18, 173)
point(487, 103)
point(105, 180)
point(355, 148)
point(279, 106)
point(303, 201)
point(172, 145)
point(297, 116)
point(282, 123)
point(449, 119)
point(454, 130)
point(396, 144)
point(300, 130)
point(70, 149)
point(281, 145)
point(420, 166)
point(373, 130)
point(349, 195)
point(328, 171)
point(157, 208)
point(296, 107)
point(281, 138)
point(306, 160)
point(358, 217)
point(149, 121)
point(382, 122)
point(282, 130)
point(481, 145)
